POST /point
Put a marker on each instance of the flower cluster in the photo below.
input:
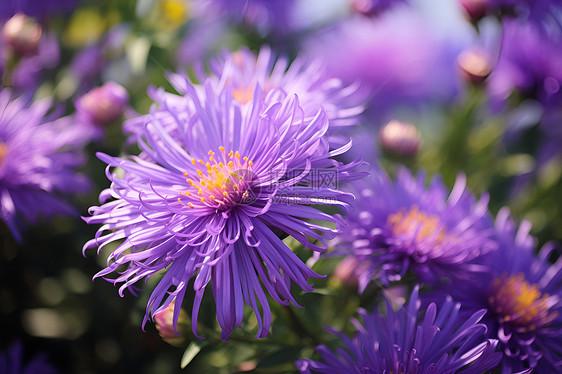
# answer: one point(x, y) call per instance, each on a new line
point(409, 341)
point(522, 293)
point(271, 167)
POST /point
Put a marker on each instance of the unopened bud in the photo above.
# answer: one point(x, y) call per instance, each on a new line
point(164, 322)
point(400, 138)
point(346, 272)
point(103, 105)
point(372, 7)
point(474, 65)
point(22, 33)
point(474, 9)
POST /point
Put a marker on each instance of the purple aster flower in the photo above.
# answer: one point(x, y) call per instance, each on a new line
point(399, 58)
point(403, 225)
point(37, 159)
point(11, 362)
point(437, 342)
point(529, 63)
point(215, 184)
point(523, 295)
point(306, 77)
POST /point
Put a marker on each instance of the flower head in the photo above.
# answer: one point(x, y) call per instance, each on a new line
point(37, 160)
point(215, 182)
point(522, 293)
point(306, 77)
point(103, 105)
point(408, 342)
point(404, 225)
point(399, 58)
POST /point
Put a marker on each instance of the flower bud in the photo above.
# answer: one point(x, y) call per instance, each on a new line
point(474, 9)
point(346, 273)
point(400, 138)
point(372, 7)
point(22, 33)
point(164, 321)
point(103, 105)
point(474, 65)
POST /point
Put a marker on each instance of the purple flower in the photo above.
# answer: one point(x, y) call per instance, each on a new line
point(404, 226)
point(306, 77)
point(398, 58)
point(529, 63)
point(102, 105)
point(523, 295)
point(11, 362)
point(37, 160)
point(215, 183)
point(408, 342)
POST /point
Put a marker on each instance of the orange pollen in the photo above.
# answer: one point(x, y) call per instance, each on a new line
point(416, 222)
point(243, 94)
point(520, 303)
point(3, 151)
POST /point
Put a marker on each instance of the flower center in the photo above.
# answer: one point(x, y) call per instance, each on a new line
point(517, 301)
point(243, 94)
point(221, 184)
point(3, 151)
point(416, 224)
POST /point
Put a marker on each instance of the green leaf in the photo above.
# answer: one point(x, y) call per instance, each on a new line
point(191, 351)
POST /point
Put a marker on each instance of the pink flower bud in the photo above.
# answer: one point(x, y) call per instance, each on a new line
point(103, 105)
point(474, 65)
point(400, 138)
point(22, 33)
point(475, 9)
point(346, 272)
point(164, 321)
